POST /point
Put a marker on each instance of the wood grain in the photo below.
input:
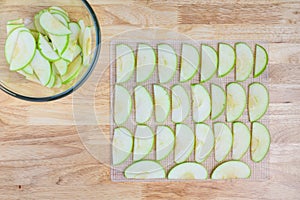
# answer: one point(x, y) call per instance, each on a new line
point(42, 155)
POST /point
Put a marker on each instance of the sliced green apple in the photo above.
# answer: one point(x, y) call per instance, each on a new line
point(37, 23)
point(162, 103)
point(68, 54)
point(223, 141)
point(232, 170)
point(204, 141)
point(218, 98)
point(226, 59)
point(11, 27)
point(58, 82)
point(190, 60)
point(165, 141)
point(61, 18)
point(15, 21)
point(146, 62)
point(23, 52)
point(260, 141)
point(122, 105)
point(201, 103)
point(167, 62)
point(73, 70)
point(46, 50)
point(52, 80)
point(258, 101)
point(184, 142)
point(87, 46)
point(241, 140)
point(75, 29)
point(60, 43)
point(143, 104)
point(187, 171)
point(180, 103)
point(143, 142)
point(209, 63)
point(244, 61)
point(145, 169)
point(52, 25)
point(125, 63)
point(11, 42)
point(82, 28)
point(121, 145)
point(41, 68)
point(56, 8)
point(28, 70)
point(236, 101)
point(61, 66)
point(261, 60)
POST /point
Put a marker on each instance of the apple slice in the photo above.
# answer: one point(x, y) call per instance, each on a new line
point(15, 21)
point(81, 34)
point(260, 142)
point(52, 25)
point(162, 103)
point(75, 29)
point(204, 142)
point(258, 101)
point(188, 170)
point(11, 42)
point(46, 49)
point(244, 61)
point(61, 18)
point(87, 46)
point(58, 82)
point(218, 98)
point(209, 62)
point(143, 104)
point(61, 66)
point(184, 143)
point(167, 62)
point(145, 169)
point(122, 105)
point(201, 103)
point(180, 103)
point(68, 54)
point(231, 170)
point(41, 68)
point(190, 60)
point(11, 27)
point(60, 43)
point(261, 60)
point(121, 145)
point(37, 23)
point(165, 141)
point(125, 62)
point(226, 59)
point(146, 61)
point(241, 140)
point(223, 141)
point(28, 70)
point(23, 52)
point(73, 70)
point(236, 101)
point(143, 142)
point(52, 80)
point(59, 9)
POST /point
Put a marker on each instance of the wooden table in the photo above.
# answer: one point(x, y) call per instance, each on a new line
point(42, 156)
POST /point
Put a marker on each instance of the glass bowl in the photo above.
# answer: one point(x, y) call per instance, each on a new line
point(16, 84)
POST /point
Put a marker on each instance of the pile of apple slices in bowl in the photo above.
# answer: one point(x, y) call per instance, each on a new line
point(53, 51)
point(190, 107)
